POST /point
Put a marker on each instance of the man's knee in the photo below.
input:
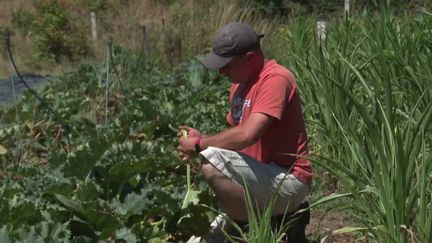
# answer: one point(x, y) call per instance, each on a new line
point(210, 173)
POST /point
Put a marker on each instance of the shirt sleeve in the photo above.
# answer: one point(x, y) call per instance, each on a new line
point(273, 96)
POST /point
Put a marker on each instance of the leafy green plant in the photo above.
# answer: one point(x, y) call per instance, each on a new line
point(119, 181)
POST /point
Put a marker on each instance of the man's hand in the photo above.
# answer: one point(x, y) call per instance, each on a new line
point(186, 146)
point(191, 132)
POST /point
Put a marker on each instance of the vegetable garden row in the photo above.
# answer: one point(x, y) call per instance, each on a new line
point(366, 93)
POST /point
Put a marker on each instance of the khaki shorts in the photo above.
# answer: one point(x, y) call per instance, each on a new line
point(262, 180)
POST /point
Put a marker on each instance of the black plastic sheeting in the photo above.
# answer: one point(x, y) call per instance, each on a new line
point(6, 86)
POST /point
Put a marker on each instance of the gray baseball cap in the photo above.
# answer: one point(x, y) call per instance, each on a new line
point(231, 40)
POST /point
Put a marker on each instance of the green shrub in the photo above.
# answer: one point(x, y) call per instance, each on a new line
point(271, 8)
point(97, 5)
point(23, 20)
point(56, 36)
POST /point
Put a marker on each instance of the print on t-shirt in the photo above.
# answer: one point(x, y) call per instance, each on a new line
point(237, 107)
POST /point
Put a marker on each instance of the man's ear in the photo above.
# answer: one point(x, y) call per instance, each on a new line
point(250, 55)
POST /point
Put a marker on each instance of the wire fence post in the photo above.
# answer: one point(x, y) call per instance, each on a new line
point(20, 145)
point(14, 97)
point(109, 53)
point(144, 43)
point(142, 54)
point(7, 37)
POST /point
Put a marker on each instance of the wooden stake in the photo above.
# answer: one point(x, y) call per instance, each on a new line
point(93, 25)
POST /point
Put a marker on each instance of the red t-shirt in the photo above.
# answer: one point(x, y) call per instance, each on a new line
point(274, 93)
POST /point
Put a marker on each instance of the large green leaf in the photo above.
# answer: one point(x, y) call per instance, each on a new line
point(2, 150)
point(4, 234)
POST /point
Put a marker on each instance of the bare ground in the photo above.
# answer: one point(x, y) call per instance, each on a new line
point(322, 224)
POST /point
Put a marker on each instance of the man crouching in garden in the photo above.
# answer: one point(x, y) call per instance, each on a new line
point(267, 129)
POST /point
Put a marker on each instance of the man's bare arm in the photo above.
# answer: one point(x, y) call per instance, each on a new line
point(241, 136)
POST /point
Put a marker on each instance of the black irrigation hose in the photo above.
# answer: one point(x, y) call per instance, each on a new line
point(43, 102)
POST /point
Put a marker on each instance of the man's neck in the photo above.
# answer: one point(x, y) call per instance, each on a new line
point(257, 68)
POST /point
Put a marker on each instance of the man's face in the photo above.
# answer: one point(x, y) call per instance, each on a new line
point(236, 69)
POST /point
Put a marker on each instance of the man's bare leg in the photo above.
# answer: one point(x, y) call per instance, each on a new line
point(229, 194)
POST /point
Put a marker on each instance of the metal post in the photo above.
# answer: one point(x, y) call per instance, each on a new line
point(20, 146)
point(144, 46)
point(109, 51)
point(7, 37)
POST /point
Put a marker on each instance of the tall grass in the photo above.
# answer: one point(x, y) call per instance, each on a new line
point(367, 95)
point(260, 227)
